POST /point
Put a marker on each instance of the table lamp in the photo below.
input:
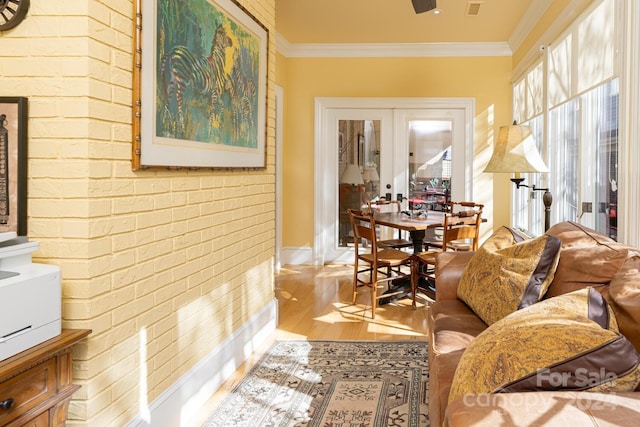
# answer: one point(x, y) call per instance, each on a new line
point(370, 174)
point(351, 175)
point(516, 152)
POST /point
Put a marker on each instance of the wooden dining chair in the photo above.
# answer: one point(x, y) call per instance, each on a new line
point(460, 232)
point(470, 210)
point(375, 267)
point(394, 205)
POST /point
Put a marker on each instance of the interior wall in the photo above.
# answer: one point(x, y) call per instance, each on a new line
point(163, 265)
point(487, 79)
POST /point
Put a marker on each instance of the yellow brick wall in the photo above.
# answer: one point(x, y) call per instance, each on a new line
point(164, 262)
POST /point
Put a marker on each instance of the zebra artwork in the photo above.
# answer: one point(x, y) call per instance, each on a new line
point(205, 75)
point(243, 92)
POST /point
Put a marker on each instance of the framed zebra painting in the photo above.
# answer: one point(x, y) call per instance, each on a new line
point(200, 85)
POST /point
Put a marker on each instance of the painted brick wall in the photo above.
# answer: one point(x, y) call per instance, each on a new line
point(156, 262)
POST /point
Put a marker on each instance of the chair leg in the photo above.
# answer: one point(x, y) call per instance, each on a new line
point(355, 282)
point(374, 292)
point(414, 281)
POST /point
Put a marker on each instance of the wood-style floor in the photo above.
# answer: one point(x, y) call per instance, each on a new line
point(315, 303)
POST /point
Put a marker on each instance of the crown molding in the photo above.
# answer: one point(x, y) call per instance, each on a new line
point(527, 23)
point(388, 50)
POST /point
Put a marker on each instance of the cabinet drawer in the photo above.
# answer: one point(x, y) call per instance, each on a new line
point(28, 389)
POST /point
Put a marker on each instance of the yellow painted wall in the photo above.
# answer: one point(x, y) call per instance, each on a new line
point(281, 69)
point(486, 79)
point(175, 260)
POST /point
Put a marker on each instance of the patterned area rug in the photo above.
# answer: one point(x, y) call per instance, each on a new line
point(330, 384)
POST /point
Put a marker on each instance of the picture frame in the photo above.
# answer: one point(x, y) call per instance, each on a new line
point(200, 85)
point(13, 165)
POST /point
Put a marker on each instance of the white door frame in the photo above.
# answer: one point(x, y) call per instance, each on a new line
point(324, 185)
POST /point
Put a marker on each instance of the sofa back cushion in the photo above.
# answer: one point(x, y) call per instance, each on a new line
point(587, 258)
point(623, 294)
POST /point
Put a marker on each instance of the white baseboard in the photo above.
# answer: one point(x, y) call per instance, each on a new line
point(176, 406)
point(301, 255)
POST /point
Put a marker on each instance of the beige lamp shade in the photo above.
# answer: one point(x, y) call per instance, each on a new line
point(370, 174)
point(516, 152)
point(351, 175)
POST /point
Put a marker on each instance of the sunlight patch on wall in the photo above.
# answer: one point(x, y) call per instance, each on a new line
point(204, 321)
point(143, 403)
point(483, 188)
point(219, 328)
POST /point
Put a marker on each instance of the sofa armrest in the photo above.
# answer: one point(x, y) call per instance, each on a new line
point(546, 408)
point(449, 268)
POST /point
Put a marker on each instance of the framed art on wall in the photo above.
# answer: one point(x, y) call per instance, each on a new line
point(200, 85)
point(13, 165)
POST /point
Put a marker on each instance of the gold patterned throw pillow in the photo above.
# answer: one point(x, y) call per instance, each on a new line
point(504, 237)
point(507, 274)
point(569, 342)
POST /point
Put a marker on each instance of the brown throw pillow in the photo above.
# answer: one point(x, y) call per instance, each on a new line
point(503, 276)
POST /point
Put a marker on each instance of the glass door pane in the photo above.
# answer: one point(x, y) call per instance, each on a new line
point(352, 172)
point(430, 155)
point(434, 157)
point(358, 169)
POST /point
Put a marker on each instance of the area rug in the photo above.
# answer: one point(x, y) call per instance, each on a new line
point(331, 384)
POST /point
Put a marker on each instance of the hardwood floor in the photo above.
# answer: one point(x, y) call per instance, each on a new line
point(315, 303)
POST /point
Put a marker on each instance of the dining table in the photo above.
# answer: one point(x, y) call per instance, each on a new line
point(417, 225)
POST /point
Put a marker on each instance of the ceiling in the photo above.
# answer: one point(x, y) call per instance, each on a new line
point(395, 21)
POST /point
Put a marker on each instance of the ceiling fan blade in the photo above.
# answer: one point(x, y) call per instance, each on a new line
point(421, 6)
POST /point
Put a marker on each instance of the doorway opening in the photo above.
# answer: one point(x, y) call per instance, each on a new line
point(418, 150)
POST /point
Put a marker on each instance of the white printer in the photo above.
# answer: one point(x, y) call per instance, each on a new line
point(30, 297)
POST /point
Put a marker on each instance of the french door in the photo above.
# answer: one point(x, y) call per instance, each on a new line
point(418, 150)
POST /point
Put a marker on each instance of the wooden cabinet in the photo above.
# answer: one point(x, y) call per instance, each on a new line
point(36, 385)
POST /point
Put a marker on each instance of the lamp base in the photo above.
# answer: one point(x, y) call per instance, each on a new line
point(547, 199)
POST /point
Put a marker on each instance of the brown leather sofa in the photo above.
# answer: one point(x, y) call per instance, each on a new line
point(587, 258)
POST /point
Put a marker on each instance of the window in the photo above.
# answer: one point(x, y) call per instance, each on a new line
point(583, 142)
point(580, 140)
